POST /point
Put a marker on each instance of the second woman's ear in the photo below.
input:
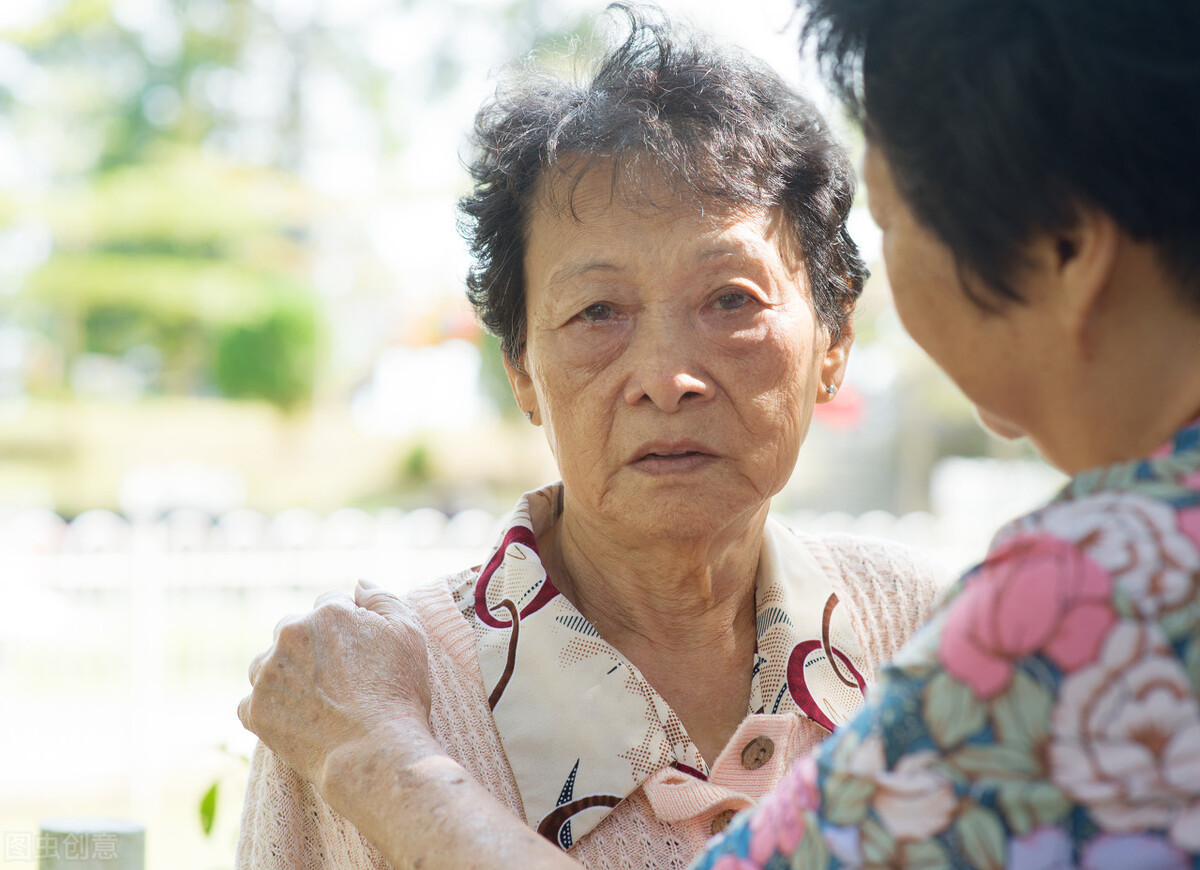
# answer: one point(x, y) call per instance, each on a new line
point(522, 387)
point(1080, 263)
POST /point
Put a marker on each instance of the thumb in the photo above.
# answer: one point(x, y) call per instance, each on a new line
point(369, 596)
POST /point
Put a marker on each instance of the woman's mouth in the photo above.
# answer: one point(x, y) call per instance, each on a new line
point(668, 461)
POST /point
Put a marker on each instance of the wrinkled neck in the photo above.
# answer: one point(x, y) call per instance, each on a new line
point(675, 593)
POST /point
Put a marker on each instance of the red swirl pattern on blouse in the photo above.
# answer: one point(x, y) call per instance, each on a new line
point(798, 686)
point(545, 594)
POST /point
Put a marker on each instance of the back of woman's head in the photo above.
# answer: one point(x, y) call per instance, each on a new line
point(1001, 118)
point(721, 128)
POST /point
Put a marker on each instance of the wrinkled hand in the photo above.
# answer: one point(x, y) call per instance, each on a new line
point(343, 673)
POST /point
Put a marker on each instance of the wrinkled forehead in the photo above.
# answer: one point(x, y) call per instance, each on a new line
point(576, 184)
point(581, 187)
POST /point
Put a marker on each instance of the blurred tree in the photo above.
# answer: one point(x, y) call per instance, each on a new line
point(131, 75)
point(175, 141)
point(193, 257)
point(271, 359)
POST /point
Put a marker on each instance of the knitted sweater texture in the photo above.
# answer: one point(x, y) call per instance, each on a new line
point(887, 589)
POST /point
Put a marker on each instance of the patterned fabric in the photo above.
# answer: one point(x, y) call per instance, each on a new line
point(886, 589)
point(1048, 715)
point(581, 727)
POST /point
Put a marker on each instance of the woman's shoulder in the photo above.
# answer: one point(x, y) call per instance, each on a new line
point(888, 589)
point(433, 596)
point(875, 565)
point(1128, 555)
point(436, 605)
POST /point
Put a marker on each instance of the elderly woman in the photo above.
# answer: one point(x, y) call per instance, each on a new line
point(663, 254)
point(1049, 259)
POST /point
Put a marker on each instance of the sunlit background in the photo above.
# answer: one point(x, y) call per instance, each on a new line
point(237, 369)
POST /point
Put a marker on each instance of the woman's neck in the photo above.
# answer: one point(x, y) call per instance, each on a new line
point(1132, 385)
point(682, 611)
point(657, 589)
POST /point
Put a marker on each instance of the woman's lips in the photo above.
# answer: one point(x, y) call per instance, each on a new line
point(673, 462)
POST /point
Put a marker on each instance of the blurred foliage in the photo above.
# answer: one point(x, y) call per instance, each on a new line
point(200, 261)
point(127, 83)
point(184, 201)
point(493, 380)
point(416, 467)
point(172, 141)
point(271, 359)
point(134, 75)
point(167, 245)
point(170, 290)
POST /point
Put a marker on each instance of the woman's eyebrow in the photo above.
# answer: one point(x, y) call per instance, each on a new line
point(575, 270)
point(741, 255)
point(716, 251)
point(728, 248)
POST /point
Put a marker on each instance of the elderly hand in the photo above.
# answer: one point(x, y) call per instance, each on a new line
point(342, 674)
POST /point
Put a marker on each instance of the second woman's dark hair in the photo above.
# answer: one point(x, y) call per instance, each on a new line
point(1000, 119)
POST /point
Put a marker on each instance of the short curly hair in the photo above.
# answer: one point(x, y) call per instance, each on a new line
point(719, 124)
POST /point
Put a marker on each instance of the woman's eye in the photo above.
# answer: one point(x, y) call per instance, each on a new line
point(597, 313)
point(731, 301)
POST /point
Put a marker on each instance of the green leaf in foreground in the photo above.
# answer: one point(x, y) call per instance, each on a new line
point(208, 809)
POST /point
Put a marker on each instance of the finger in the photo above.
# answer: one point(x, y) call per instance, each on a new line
point(331, 598)
point(290, 619)
point(256, 666)
point(243, 712)
point(379, 600)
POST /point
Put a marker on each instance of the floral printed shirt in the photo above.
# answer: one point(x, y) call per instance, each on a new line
point(1046, 717)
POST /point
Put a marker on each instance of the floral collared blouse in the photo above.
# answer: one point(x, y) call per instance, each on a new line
point(1046, 717)
point(582, 728)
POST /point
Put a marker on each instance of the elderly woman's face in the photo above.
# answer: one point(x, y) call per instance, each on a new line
point(673, 356)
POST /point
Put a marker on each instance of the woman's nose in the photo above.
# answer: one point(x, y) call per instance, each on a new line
point(666, 366)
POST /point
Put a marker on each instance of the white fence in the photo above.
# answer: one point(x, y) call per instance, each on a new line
point(123, 651)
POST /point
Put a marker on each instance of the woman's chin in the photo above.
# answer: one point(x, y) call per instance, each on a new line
point(997, 426)
point(679, 513)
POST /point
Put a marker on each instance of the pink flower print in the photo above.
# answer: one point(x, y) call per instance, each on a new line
point(1149, 549)
point(733, 862)
point(1033, 595)
point(778, 825)
point(1189, 521)
point(1140, 850)
point(1125, 738)
point(1040, 849)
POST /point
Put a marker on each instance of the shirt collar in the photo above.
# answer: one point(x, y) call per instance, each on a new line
point(1168, 474)
point(1165, 473)
point(581, 727)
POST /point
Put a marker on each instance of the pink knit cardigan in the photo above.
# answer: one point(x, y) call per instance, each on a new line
point(887, 590)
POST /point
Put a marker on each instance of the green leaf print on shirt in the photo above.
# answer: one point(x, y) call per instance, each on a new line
point(952, 712)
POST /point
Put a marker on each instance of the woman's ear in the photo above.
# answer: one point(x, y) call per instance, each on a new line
point(1082, 260)
point(833, 367)
point(522, 387)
